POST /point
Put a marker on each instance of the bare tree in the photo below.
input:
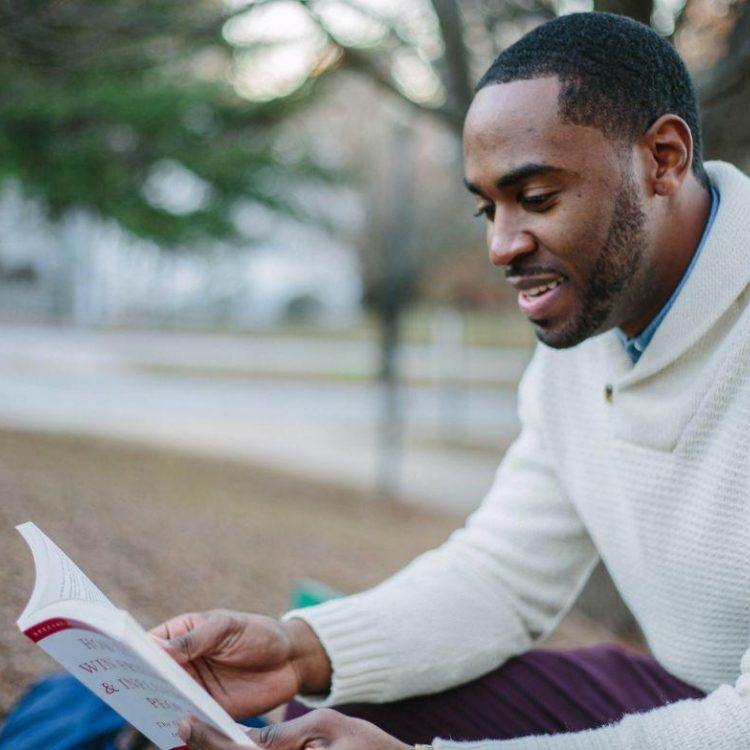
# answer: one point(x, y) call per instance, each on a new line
point(641, 10)
point(724, 93)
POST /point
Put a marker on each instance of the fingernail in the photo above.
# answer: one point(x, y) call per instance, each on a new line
point(184, 729)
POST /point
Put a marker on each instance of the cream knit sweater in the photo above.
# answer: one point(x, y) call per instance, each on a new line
point(654, 478)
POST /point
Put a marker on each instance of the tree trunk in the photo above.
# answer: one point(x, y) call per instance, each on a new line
point(639, 9)
point(724, 93)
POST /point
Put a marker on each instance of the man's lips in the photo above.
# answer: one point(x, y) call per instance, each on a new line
point(533, 281)
point(538, 294)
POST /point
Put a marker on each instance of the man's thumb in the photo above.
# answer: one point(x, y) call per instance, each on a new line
point(275, 737)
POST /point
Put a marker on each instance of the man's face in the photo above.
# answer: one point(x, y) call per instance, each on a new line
point(563, 211)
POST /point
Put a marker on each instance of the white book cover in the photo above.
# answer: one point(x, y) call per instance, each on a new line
point(110, 653)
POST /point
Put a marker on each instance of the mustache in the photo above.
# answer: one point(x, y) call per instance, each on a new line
point(518, 272)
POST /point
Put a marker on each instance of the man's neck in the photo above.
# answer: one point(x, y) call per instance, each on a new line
point(677, 243)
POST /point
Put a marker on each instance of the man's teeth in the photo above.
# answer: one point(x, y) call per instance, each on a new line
point(535, 291)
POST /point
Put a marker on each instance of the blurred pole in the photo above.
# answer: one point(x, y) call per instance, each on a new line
point(450, 367)
point(64, 294)
point(77, 234)
point(397, 282)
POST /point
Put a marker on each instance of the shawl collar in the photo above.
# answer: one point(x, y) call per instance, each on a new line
point(720, 276)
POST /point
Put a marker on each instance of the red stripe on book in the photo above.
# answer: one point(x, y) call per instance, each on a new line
point(181, 747)
point(42, 630)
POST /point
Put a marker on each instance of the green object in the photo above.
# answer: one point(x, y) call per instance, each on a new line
point(308, 592)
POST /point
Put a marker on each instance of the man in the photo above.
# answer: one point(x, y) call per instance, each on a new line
point(632, 261)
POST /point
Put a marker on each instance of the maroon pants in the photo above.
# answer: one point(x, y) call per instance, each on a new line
point(541, 692)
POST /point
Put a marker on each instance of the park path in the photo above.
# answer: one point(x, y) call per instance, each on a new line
point(303, 405)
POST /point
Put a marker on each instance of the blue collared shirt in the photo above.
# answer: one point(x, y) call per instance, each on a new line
point(635, 346)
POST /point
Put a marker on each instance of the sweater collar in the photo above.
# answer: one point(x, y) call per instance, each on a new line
point(720, 275)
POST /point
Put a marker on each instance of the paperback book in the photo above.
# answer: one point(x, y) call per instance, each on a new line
point(110, 653)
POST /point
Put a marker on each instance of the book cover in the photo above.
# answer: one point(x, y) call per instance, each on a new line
point(110, 653)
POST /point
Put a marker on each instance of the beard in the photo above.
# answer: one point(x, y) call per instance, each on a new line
point(612, 279)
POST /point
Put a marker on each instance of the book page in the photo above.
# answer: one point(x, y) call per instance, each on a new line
point(124, 680)
point(58, 578)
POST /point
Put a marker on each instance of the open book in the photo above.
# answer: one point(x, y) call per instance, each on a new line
point(110, 653)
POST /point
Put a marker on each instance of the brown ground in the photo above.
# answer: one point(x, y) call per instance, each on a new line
point(162, 532)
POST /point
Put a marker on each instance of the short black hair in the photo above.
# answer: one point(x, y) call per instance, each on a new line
point(616, 74)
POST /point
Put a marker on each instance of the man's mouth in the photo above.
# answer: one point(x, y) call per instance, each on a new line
point(536, 291)
point(539, 295)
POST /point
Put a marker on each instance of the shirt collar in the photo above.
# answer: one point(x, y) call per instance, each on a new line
point(636, 345)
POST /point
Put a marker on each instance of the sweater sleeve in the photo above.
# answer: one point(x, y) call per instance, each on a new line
point(720, 721)
point(459, 611)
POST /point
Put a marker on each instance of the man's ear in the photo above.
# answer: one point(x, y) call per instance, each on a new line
point(667, 148)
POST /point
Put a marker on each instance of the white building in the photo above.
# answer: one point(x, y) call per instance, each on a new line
point(89, 271)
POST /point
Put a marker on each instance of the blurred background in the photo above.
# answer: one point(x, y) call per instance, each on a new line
point(248, 330)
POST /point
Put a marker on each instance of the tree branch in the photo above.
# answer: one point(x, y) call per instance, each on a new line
point(359, 61)
point(457, 79)
point(731, 74)
point(640, 10)
point(368, 63)
point(723, 92)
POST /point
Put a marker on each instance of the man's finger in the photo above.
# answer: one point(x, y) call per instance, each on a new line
point(187, 637)
point(175, 627)
point(200, 736)
point(298, 733)
point(279, 736)
point(174, 648)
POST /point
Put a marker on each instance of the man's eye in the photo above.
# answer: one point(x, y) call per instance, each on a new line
point(486, 211)
point(536, 201)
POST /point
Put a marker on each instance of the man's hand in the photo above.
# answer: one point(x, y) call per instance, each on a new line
point(248, 663)
point(318, 729)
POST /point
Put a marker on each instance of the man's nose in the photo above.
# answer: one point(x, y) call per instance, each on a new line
point(507, 241)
